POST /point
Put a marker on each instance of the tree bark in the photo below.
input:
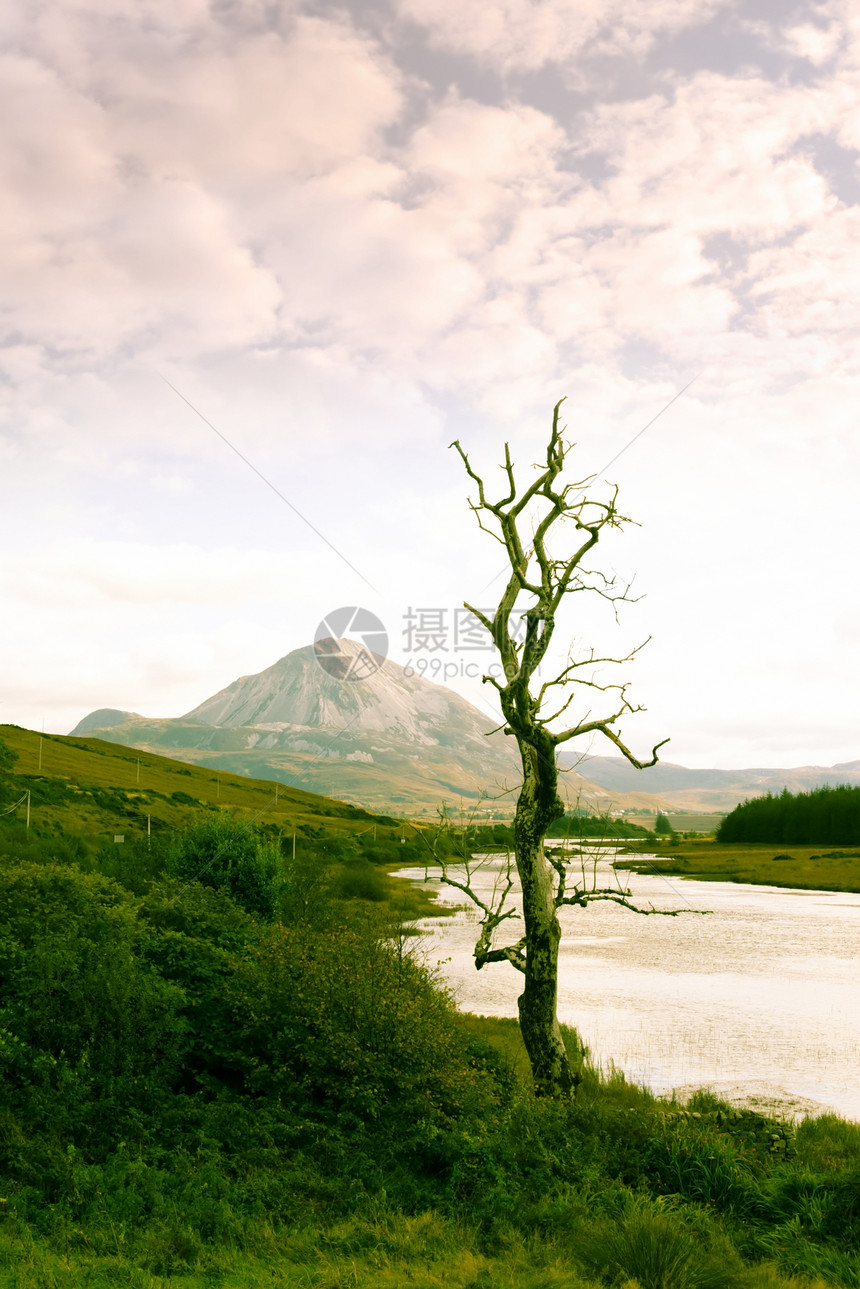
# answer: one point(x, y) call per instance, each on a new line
point(537, 807)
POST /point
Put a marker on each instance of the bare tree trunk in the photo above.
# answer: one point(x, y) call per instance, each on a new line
point(539, 1025)
point(537, 807)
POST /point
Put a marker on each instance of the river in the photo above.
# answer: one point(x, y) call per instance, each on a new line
point(752, 991)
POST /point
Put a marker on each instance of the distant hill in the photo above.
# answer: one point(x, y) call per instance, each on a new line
point(104, 719)
point(712, 790)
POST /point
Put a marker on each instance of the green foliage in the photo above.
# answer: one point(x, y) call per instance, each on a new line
point(361, 882)
point(135, 863)
point(10, 788)
point(348, 1022)
point(577, 825)
point(230, 857)
point(196, 1095)
point(86, 1029)
point(824, 816)
point(663, 826)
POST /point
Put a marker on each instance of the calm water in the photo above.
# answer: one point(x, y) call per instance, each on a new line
point(759, 1000)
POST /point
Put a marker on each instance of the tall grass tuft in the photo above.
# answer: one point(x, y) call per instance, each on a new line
point(656, 1251)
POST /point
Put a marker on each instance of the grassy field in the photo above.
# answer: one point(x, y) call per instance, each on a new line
point(804, 868)
point(619, 1191)
point(89, 786)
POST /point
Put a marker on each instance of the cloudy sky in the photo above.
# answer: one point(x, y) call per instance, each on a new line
point(346, 235)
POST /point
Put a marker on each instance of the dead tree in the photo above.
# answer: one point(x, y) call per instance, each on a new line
point(536, 587)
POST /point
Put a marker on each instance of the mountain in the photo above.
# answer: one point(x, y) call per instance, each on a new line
point(103, 719)
point(333, 719)
point(324, 720)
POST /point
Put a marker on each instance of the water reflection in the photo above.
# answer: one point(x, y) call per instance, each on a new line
point(758, 999)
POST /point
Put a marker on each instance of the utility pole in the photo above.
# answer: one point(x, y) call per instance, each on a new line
point(294, 845)
point(149, 830)
point(28, 810)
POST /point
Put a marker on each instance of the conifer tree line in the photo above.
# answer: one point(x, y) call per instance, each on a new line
point(824, 816)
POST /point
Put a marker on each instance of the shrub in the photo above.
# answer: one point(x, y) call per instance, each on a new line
point(8, 756)
point(230, 857)
point(361, 882)
point(90, 1031)
point(342, 1022)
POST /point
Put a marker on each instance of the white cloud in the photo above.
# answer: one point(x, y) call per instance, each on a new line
point(811, 287)
point(527, 34)
point(110, 572)
point(513, 145)
point(815, 43)
point(245, 114)
point(105, 623)
point(716, 156)
point(142, 179)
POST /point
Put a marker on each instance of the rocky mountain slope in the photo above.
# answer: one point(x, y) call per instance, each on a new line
point(389, 741)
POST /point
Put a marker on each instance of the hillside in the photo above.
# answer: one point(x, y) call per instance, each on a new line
point(93, 787)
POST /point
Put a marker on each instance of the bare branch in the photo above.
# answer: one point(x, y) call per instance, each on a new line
point(512, 953)
point(584, 898)
point(605, 728)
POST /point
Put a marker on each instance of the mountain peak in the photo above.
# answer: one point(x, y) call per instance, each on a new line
point(340, 684)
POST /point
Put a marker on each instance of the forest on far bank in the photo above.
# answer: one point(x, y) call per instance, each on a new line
point(825, 816)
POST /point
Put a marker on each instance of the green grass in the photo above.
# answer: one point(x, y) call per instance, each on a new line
point(618, 1191)
point(91, 787)
point(794, 867)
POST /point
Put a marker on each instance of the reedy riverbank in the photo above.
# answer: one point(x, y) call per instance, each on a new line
point(804, 868)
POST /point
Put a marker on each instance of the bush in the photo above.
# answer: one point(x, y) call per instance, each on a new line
point(89, 1031)
point(230, 857)
point(194, 936)
point(361, 882)
point(341, 1021)
point(8, 756)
